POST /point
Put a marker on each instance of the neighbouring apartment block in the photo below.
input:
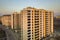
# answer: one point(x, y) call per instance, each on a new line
point(15, 21)
point(6, 20)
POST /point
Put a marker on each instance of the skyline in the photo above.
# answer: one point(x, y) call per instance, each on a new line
point(9, 6)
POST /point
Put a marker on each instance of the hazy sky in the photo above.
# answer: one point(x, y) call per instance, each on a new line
point(9, 6)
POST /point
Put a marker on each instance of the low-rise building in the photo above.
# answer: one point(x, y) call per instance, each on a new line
point(6, 20)
point(0, 20)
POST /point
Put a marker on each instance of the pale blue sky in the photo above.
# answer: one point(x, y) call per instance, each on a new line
point(9, 6)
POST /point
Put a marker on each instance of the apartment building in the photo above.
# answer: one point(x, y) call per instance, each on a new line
point(6, 20)
point(15, 21)
point(36, 23)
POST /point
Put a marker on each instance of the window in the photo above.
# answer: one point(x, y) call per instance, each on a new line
point(28, 16)
point(36, 10)
point(29, 38)
point(36, 31)
point(36, 13)
point(36, 16)
point(46, 21)
point(29, 24)
point(28, 10)
point(46, 16)
point(36, 24)
point(29, 27)
point(46, 12)
point(29, 35)
point(28, 13)
point(29, 19)
point(29, 30)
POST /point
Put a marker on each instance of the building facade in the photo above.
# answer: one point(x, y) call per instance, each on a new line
point(56, 22)
point(15, 20)
point(6, 20)
point(36, 23)
point(15, 23)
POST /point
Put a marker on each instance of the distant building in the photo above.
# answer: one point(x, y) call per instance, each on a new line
point(15, 21)
point(6, 20)
point(57, 21)
point(58, 17)
point(34, 23)
point(0, 19)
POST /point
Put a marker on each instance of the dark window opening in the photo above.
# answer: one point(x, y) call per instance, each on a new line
point(28, 24)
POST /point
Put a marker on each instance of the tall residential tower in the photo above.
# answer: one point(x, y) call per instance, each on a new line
point(36, 23)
